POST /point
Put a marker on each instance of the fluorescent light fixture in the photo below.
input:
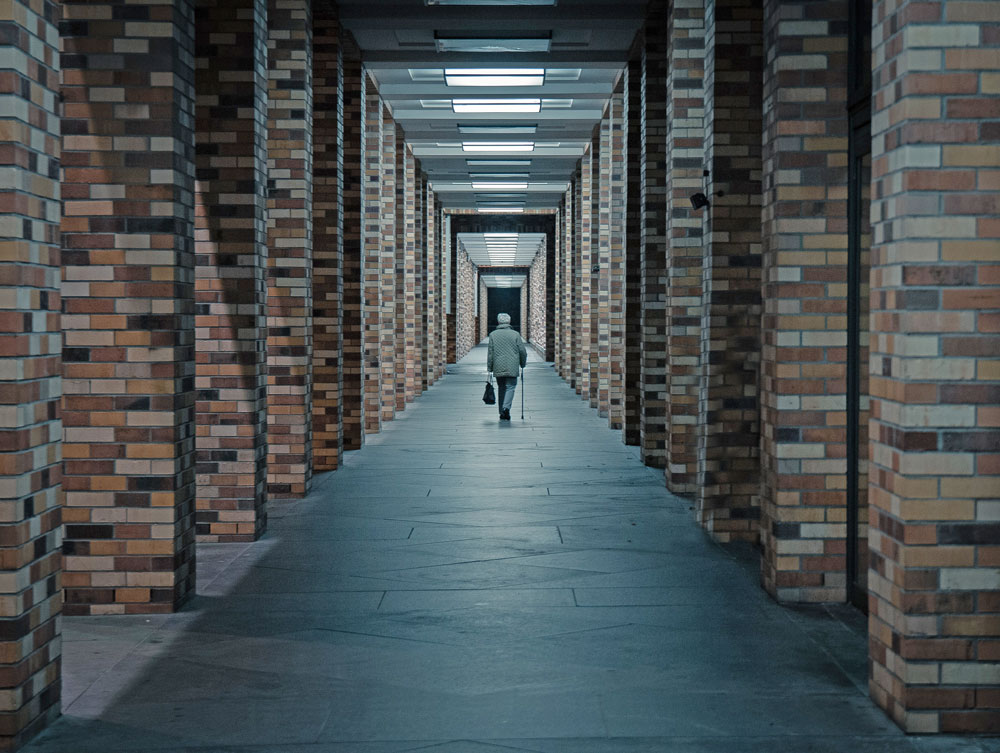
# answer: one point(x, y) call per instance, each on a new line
point(494, 76)
point(498, 162)
point(496, 105)
point(500, 210)
point(497, 236)
point(498, 146)
point(497, 176)
point(524, 42)
point(499, 186)
point(499, 129)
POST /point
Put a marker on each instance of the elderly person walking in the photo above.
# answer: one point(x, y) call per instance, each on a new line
point(506, 354)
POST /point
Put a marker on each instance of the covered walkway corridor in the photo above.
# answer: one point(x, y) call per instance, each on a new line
point(755, 247)
point(468, 586)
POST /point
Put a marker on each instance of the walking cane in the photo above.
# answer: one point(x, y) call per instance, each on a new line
point(522, 393)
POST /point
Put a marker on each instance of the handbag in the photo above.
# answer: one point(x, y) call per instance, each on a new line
point(489, 397)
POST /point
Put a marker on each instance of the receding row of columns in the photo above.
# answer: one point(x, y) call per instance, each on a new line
point(730, 322)
point(227, 268)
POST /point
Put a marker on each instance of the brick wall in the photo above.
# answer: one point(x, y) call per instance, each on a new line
point(935, 380)
point(230, 269)
point(30, 372)
point(728, 496)
point(803, 352)
point(289, 247)
point(329, 205)
point(128, 307)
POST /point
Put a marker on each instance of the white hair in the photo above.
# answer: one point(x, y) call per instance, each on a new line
point(503, 318)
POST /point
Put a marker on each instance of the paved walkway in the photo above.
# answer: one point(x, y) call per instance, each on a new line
point(469, 586)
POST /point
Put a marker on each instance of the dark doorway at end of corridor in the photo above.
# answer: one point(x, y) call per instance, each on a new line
point(503, 301)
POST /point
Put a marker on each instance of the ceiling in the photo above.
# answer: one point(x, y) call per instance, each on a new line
point(406, 45)
point(501, 249)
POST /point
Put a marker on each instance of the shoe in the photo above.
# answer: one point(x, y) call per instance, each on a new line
point(505, 415)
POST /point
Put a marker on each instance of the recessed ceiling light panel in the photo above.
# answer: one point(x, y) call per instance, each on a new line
point(494, 76)
point(498, 146)
point(495, 176)
point(500, 210)
point(497, 186)
point(498, 162)
point(485, 130)
point(496, 105)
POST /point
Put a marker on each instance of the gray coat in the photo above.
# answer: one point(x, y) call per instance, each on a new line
point(506, 352)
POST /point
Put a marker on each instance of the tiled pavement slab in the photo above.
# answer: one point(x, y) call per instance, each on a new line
point(469, 586)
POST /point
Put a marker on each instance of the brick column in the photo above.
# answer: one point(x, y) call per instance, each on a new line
point(371, 253)
point(632, 157)
point(558, 281)
point(410, 272)
point(728, 485)
point(596, 257)
point(403, 272)
point(387, 270)
point(804, 338)
point(483, 310)
point(467, 278)
point(584, 264)
point(431, 285)
point(289, 247)
point(935, 383)
point(352, 409)
point(685, 166)
point(30, 372)
point(602, 201)
point(441, 248)
point(328, 238)
point(230, 268)
point(420, 279)
point(616, 259)
point(653, 239)
point(128, 305)
point(569, 283)
point(536, 324)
